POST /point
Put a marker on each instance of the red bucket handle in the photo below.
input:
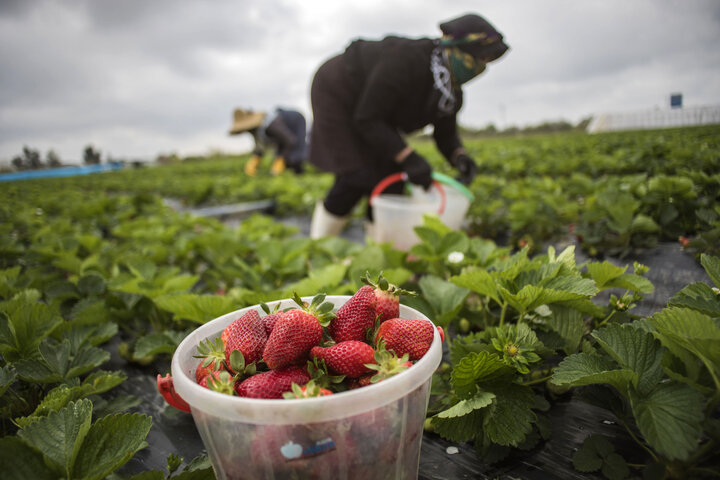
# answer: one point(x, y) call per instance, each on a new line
point(401, 177)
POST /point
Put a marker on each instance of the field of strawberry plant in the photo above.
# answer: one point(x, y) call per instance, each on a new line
point(100, 280)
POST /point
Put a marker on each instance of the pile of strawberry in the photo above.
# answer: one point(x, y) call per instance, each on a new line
point(309, 350)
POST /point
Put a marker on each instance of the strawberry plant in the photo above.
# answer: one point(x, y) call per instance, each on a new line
point(660, 376)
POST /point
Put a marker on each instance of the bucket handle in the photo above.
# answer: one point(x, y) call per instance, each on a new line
point(400, 177)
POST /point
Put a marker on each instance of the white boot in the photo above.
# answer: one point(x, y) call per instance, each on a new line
point(325, 224)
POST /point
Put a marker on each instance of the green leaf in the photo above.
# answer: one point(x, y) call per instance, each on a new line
point(7, 378)
point(473, 369)
point(588, 369)
point(569, 324)
point(632, 282)
point(196, 308)
point(697, 296)
point(478, 281)
point(91, 284)
point(604, 272)
point(712, 267)
point(592, 453)
point(464, 407)
point(318, 280)
point(670, 418)
point(110, 443)
point(634, 349)
point(681, 329)
point(460, 429)
point(445, 298)
point(22, 463)
point(24, 324)
point(60, 435)
point(156, 343)
point(510, 418)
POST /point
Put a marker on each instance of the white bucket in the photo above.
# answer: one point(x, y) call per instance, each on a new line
point(371, 432)
point(395, 216)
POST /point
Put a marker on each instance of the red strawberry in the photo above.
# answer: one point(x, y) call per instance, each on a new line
point(203, 370)
point(355, 317)
point(409, 336)
point(246, 334)
point(221, 382)
point(309, 390)
point(270, 317)
point(273, 383)
point(388, 297)
point(346, 358)
point(296, 332)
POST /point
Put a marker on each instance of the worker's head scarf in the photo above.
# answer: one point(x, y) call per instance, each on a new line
point(470, 42)
point(467, 45)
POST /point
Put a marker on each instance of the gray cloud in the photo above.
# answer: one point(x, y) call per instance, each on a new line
point(137, 78)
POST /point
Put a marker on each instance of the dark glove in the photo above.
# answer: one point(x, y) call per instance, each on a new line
point(467, 168)
point(418, 170)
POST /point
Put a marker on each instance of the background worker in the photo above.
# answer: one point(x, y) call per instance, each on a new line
point(365, 99)
point(284, 130)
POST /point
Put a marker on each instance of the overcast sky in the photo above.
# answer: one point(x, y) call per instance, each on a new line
point(138, 78)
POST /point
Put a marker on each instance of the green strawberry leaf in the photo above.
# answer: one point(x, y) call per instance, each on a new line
point(463, 407)
point(157, 343)
point(196, 308)
point(632, 282)
point(24, 323)
point(712, 267)
point(634, 349)
point(592, 453)
point(569, 324)
point(476, 368)
point(510, 418)
point(7, 378)
point(587, 369)
point(670, 418)
point(110, 443)
point(604, 272)
point(459, 429)
point(682, 330)
point(60, 435)
point(479, 281)
point(445, 298)
point(697, 296)
point(22, 463)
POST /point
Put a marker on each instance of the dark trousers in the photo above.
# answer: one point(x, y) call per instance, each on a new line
point(350, 188)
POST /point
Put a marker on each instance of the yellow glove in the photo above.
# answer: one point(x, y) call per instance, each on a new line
point(252, 165)
point(278, 166)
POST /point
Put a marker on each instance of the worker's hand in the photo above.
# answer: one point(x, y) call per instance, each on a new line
point(467, 168)
point(251, 166)
point(418, 170)
point(278, 166)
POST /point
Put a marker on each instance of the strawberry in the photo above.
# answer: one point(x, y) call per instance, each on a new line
point(246, 334)
point(356, 317)
point(309, 390)
point(387, 297)
point(212, 353)
point(296, 332)
point(346, 358)
point(221, 382)
point(386, 365)
point(203, 370)
point(273, 383)
point(406, 336)
point(270, 317)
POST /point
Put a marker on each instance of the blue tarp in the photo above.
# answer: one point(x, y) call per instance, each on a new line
point(60, 172)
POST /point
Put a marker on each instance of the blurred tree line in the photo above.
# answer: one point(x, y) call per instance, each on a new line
point(30, 158)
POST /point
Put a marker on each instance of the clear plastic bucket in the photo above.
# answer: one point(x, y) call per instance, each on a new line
point(396, 216)
point(373, 432)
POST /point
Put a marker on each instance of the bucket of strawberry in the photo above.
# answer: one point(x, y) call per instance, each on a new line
point(327, 387)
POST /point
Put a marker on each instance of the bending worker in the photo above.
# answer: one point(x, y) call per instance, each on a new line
point(284, 130)
point(365, 99)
